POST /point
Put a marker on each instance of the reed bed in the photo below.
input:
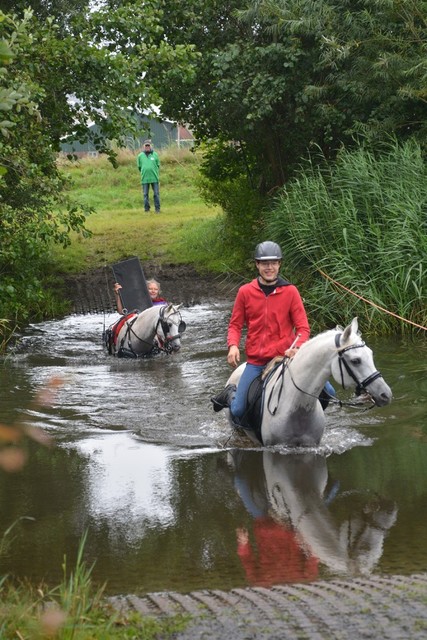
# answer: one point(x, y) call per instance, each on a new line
point(361, 222)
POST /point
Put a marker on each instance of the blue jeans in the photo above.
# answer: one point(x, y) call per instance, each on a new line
point(238, 404)
point(156, 195)
point(251, 371)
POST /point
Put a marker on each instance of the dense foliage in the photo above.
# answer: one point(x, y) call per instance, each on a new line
point(57, 76)
point(279, 76)
point(363, 224)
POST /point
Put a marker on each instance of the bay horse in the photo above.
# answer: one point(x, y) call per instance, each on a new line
point(154, 330)
point(290, 412)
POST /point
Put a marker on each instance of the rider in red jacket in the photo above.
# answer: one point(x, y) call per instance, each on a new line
point(273, 312)
point(273, 320)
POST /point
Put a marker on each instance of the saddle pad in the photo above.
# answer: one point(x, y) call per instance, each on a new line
point(134, 293)
point(115, 329)
point(252, 417)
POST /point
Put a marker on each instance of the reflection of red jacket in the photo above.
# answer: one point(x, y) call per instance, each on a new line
point(280, 557)
point(270, 320)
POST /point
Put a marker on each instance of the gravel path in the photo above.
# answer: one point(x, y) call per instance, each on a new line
point(376, 607)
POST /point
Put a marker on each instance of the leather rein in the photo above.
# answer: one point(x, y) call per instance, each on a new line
point(164, 341)
point(361, 386)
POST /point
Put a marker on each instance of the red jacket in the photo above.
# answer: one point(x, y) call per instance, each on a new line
point(272, 321)
point(278, 557)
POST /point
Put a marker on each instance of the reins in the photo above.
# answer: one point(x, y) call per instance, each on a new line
point(360, 386)
point(164, 342)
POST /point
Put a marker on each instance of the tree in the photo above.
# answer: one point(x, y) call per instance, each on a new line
point(282, 76)
point(108, 63)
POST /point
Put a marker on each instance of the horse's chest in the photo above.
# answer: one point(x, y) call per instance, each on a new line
point(297, 427)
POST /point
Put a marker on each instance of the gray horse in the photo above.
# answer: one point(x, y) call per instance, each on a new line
point(156, 329)
point(291, 412)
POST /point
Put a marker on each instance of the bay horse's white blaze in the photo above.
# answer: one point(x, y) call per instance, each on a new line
point(160, 324)
point(292, 413)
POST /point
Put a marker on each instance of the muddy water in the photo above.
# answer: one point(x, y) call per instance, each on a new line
point(143, 465)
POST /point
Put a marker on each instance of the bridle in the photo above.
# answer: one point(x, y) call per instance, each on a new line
point(166, 340)
point(361, 386)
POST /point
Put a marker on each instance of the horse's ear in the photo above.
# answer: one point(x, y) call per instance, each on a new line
point(178, 306)
point(352, 327)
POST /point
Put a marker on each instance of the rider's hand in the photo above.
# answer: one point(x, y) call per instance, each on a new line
point(290, 353)
point(233, 357)
point(242, 536)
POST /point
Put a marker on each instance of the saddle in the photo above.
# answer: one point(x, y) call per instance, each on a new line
point(112, 333)
point(252, 418)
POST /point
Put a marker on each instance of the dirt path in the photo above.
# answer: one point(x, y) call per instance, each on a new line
point(387, 608)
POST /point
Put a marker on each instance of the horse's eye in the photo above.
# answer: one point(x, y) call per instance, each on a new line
point(356, 361)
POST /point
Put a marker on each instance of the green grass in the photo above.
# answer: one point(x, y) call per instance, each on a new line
point(120, 228)
point(74, 610)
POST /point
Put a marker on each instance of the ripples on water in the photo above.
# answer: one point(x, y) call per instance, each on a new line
point(147, 467)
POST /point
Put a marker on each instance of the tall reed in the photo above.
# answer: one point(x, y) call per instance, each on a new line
point(363, 222)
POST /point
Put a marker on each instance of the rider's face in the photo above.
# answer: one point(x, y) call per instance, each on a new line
point(268, 270)
point(153, 290)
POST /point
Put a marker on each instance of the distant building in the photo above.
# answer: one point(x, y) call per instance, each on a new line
point(161, 133)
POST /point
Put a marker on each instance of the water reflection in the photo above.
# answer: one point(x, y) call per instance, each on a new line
point(295, 525)
point(127, 487)
point(138, 463)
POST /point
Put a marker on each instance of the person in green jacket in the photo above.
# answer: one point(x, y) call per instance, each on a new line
point(148, 164)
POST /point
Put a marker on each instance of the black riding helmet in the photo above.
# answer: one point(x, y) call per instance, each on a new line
point(268, 250)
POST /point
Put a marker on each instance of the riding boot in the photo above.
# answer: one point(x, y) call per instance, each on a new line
point(223, 399)
point(328, 392)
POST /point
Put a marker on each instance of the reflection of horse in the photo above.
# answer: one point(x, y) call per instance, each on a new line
point(291, 413)
point(296, 487)
point(273, 553)
point(296, 495)
point(158, 328)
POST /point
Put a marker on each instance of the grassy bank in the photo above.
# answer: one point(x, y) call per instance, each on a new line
point(73, 610)
point(120, 227)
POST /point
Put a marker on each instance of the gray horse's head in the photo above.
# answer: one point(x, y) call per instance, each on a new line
point(354, 366)
point(172, 326)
